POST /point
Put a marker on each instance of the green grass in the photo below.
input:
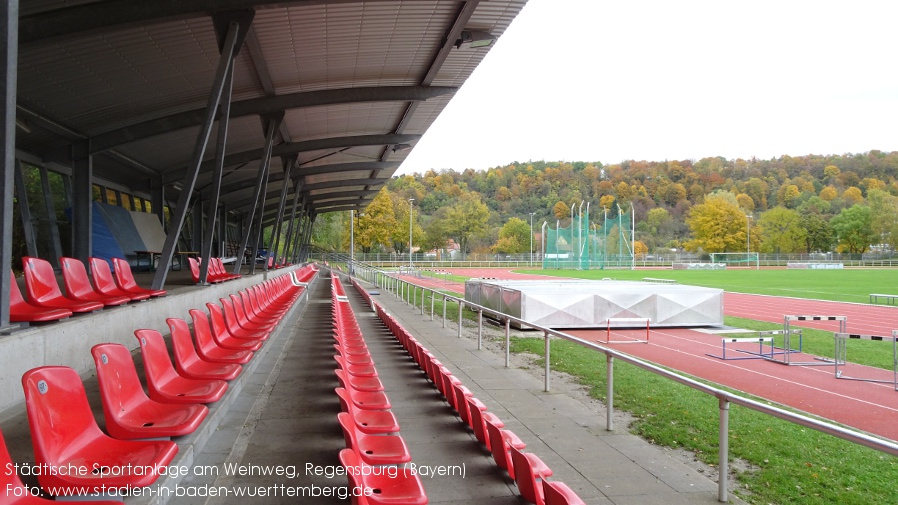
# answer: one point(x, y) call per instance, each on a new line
point(789, 463)
point(847, 285)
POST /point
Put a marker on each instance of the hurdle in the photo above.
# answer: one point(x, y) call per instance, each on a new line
point(627, 321)
point(754, 355)
point(787, 344)
point(841, 354)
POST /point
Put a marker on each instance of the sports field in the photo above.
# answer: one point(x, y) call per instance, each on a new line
point(847, 285)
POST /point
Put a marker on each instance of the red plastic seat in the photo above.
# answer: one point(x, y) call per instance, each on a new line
point(355, 370)
point(188, 363)
point(15, 491)
point(163, 382)
point(129, 413)
point(217, 265)
point(500, 442)
point(374, 450)
point(372, 422)
point(125, 279)
point(233, 326)
point(478, 424)
point(218, 329)
point(105, 284)
point(558, 493)
point(43, 290)
point(403, 488)
point(78, 286)
point(65, 434)
point(257, 324)
point(368, 384)
point(461, 401)
point(195, 273)
point(529, 473)
point(368, 400)
point(21, 311)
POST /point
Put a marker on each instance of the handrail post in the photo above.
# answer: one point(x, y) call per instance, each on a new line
point(724, 449)
point(423, 296)
point(479, 329)
point(609, 392)
point(445, 304)
point(433, 295)
point(507, 342)
point(548, 365)
point(459, 318)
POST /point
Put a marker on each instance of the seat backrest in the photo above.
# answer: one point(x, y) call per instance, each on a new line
point(524, 477)
point(194, 269)
point(202, 331)
point(497, 445)
point(182, 343)
point(74, 276)
point(102, 275)
point(120, 387)
point(354, 468)
point(218, 324)
point(40, 281)
point(123, 276)
point(58, 413)
point(477, 422)
point(157, 364)
point(558, 493)
point(15, 294)
point(349, 429)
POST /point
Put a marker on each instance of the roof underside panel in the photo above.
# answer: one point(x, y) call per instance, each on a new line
point(141, 87)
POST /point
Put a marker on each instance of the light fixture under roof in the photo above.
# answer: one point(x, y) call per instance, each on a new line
point(401, 147)
point(473, 39)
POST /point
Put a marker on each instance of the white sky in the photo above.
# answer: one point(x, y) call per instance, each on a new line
point(610, 80)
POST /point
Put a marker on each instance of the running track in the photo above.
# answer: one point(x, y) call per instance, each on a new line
point(871, 407)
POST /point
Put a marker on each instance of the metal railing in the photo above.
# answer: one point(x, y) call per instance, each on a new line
point(409, 292)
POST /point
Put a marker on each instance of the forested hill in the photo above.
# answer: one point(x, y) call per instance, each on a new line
point(794, 202)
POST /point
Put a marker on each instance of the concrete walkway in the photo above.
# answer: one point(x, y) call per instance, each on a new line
point(285, 420)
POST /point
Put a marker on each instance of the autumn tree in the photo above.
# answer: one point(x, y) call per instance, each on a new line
point(829, 193)
point(781, 231)
point(377, 224)
point(514, 237)
point(561, 210)
point(717, 225)
point(853, 229)
point(400, 233)
point(884, 217)
point(466, 219)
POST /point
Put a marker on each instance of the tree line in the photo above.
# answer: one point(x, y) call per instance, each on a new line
point(805, 204)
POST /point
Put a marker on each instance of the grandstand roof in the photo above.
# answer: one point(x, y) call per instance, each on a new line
point(357, 82)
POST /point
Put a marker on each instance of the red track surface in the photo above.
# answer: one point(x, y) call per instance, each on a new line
point(867, 406)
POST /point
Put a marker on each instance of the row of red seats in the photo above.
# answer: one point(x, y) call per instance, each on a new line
point(526, 469)
point(217, 272)
point(369, 428)
point(47, 303)
point(66, 435)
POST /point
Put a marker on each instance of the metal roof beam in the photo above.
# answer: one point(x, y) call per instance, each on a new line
point(240, 185)
point(118, 14)
point(268, 105)
point(291, 148)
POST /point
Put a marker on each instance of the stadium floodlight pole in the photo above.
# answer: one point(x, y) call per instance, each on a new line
point(545, 223)
point(573, 206)
point(531, 238)
point(410, 209)
point(588, 261)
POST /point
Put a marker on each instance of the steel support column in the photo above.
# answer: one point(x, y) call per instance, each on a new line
point(291, 224)
point(274, 243)
point(25, 210)
point(249, 219)
point(9, 54)
point(225, 62)
point(82, 201)
point(215, 193)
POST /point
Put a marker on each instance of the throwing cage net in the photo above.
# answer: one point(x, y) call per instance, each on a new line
point(584, 244)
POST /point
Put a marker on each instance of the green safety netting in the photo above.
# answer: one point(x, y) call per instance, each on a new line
point(586, 243)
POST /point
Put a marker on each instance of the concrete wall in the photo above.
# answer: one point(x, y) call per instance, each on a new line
point(68, 342)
